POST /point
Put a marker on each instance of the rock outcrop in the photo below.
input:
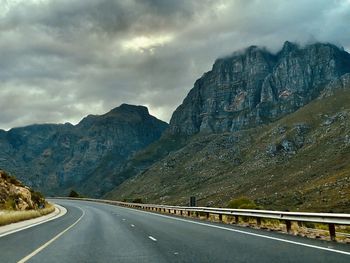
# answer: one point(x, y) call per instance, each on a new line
point(255, 86)
point(15, 196)
point(55, 158)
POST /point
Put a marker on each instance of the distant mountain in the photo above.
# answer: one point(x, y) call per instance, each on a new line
point(274, 127)
point(55, 158)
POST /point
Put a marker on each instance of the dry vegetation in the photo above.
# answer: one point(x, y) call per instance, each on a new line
point(19, 202)
point(9, 217)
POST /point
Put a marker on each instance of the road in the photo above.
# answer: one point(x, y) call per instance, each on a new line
point(93, 232)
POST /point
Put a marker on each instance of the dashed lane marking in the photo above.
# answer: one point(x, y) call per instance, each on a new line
point(152, 238)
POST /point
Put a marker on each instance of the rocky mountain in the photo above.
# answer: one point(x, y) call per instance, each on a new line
point(273, 127)
point(254, 86)
point(55, 158)
point(16, 196)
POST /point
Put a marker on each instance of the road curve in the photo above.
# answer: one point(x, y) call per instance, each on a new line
point(94, 232)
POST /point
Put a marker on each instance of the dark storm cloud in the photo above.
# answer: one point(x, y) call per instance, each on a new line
point(61, 60)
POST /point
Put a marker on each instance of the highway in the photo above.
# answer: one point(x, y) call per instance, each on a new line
point(94, 232)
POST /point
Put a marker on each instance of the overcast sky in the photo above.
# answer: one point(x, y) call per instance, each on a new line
point(63, 59)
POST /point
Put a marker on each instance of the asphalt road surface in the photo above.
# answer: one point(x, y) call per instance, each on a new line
point(94, 232)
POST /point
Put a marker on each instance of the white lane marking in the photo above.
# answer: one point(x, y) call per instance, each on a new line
point(26, 258)
point(152, 238)
point(124, 219)
point(244, 232)
point(132, 225)
point(62, 212)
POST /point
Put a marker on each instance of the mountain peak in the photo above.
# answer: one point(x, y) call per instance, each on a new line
point(131, 108)
point(288, 47)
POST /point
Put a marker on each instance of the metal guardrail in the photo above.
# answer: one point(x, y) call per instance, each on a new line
point(331, 219)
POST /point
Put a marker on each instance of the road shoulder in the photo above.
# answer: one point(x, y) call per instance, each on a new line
point(15, 227)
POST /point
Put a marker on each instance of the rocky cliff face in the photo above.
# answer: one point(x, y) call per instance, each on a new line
point(54, 158)
point(255, 86)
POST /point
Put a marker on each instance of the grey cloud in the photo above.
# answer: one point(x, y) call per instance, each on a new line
point(104, 16)
point(61, 60)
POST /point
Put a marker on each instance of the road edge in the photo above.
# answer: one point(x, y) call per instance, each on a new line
point(19, 226)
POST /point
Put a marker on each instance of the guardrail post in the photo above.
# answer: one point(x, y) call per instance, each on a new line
point(258, 221)
point(208, 215)
point(188, 213)
point(288, 226)
point(169, 211)
point(220, 217)
point(236, 219)
point(331, 228)
point(180, 212)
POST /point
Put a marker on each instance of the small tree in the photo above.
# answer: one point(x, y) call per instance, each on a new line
point(73, 194)
point(137, 200)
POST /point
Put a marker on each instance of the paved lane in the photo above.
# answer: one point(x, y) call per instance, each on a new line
point(114, 234)
point(16, 246)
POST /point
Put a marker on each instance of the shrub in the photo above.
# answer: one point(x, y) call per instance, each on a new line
point(137, 200)
point(9, 204)
point(38, 199)
point(309, 224)
point(73, 194)
point(242, 203)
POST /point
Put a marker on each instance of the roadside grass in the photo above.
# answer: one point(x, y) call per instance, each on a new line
point(9, 217)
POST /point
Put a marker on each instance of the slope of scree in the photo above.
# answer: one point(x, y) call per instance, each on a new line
point(55, 158)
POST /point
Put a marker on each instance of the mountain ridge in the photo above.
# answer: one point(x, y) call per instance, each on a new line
point(57, 157)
